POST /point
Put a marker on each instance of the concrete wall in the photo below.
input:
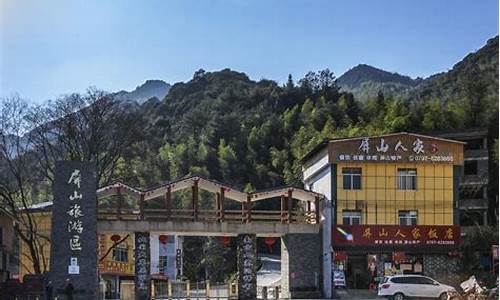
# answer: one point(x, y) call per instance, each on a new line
point(301, 265)
point(320, 181)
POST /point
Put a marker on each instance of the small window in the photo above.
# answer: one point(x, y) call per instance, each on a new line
point(351, 178)
point(351, 217)
point(120, 253)
point(408, 217)
point(470, 167)
point(407, 179)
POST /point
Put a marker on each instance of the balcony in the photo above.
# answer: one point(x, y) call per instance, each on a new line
point(468, 204)
point(476, 153)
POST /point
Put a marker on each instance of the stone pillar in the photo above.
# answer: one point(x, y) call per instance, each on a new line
point(247, 266)
point(74, 231)
point(142, 279)
point(301, 266)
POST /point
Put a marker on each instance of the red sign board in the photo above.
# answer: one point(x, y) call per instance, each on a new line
point(340, 256)
point(395, 235)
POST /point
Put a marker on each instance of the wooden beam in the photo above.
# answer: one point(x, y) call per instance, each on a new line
point(120, 202)
point(221, 202)
point(289, 205)
point(141, 206)
point(283, 208)
point(249, 209)
point(194, 189)
point(243, 212)
point(168, 202)
point(316, 208)
point(217, 206)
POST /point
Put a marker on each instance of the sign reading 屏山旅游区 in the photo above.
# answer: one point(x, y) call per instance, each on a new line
point(73, 263)
point(404, 148)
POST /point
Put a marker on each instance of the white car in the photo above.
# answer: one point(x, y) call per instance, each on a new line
point(399, 287)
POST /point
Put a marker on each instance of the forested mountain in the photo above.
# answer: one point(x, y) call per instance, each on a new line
point(481, 65)
point(149, 89)
point(366, 82)
point(253, 134)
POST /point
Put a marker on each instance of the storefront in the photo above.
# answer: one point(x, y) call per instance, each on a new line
point(366, 253)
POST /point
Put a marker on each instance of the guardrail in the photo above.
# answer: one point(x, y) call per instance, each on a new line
point(230, 216)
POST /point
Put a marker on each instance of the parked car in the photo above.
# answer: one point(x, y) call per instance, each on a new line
point(399, 287)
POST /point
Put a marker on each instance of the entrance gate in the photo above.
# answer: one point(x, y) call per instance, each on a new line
point(297, 222)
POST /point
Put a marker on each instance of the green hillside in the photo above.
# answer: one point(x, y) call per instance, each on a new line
point(253, 133)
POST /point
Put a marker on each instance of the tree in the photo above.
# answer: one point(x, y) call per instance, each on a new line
point(93, 127)
point(227, 160)
point(475, 90)
point(19, 177)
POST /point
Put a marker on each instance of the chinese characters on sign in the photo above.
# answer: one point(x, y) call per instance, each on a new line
point(395, 150)
point(246, 266)
point(74, 229)
point(75, 225)
point(374, 235)
point(142, 265)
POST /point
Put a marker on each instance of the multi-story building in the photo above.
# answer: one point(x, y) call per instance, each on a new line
point(6, 244)
point(394, 204)
point(475, 189)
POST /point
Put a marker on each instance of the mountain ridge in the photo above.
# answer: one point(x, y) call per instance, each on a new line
point(365, 81)
point(151, 88)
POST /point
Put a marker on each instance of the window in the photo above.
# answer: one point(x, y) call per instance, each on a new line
point(351, 217)
point(470, 167)
point(407, 217)
point(120, 253)
point(425, 280)
point(351, 178)
point(162, 264)
point(401, 280)
point(407, 179)
point(475, 144)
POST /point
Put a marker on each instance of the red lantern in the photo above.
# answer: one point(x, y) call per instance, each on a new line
point(115, 238)
point(225, 240)
point(270, 242)
point(163, 238)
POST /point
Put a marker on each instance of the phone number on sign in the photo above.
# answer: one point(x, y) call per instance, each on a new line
point(448, 158)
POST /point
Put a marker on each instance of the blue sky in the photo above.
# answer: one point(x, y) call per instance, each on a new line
point(49, 47)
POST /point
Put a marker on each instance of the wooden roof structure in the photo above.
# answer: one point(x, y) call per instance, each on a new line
point(119, 188)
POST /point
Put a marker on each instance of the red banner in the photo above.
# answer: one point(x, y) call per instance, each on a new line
point(395, 235)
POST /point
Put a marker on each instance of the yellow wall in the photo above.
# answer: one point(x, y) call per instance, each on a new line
point(43, 223)
point(380, 200)
point(108, 266)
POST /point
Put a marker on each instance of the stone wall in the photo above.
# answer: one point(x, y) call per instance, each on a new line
point(442, 268)
point(301, 265)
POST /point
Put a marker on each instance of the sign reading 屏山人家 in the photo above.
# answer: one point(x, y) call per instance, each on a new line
point(73, 263)
point(395, 235)
point(402, 147)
